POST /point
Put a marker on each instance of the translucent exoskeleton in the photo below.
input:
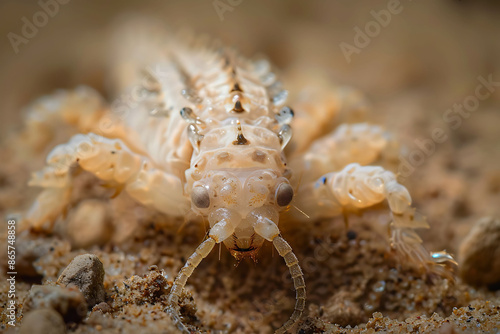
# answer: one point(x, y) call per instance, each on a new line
point(208, 133)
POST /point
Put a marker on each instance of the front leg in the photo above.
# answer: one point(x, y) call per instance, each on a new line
point(357, 187)
point(110, 160)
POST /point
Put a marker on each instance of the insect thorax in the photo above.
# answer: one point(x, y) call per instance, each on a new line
point(233, 146)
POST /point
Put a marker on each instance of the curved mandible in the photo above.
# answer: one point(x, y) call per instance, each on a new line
point(285, 251)
point(180, 281)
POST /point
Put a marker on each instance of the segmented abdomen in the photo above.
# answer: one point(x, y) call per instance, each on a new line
point(215, 88)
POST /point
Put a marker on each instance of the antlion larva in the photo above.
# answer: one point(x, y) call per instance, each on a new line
point(208, 134)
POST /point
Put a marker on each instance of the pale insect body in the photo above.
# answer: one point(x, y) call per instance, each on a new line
point(208, 135)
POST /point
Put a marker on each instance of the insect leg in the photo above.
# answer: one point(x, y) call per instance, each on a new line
point(110, 160)
point(357, 187)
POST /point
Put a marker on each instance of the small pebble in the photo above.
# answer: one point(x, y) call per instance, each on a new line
point(479, 254)
point(87, 273)
point(43, 321)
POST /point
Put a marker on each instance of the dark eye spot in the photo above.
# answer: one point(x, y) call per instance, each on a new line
point(284, 194)
point(200, 197)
